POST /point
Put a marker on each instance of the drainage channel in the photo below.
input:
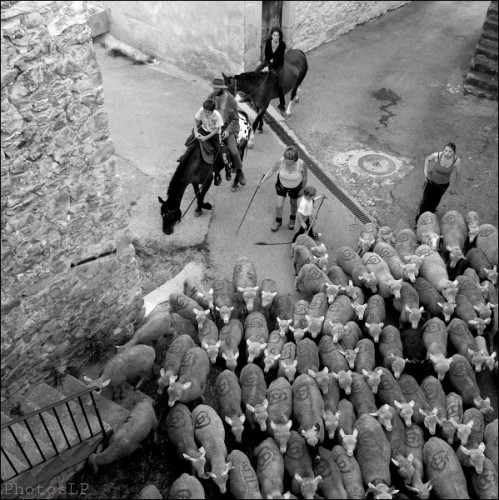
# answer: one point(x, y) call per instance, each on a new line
point(317, 171)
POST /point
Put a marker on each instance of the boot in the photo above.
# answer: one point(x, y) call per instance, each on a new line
point(292, 220)
point(241, 178)
point(277, 224)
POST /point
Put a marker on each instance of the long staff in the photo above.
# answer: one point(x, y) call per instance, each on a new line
point(251, 201)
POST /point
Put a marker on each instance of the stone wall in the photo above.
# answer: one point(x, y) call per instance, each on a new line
point(319, 22)
point(69, 273)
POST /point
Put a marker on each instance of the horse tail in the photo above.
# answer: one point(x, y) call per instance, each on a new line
point(302, 76)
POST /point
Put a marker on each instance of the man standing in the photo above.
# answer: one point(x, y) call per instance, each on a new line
point(226, 105)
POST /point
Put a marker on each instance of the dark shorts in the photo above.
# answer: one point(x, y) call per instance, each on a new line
point(294, 193)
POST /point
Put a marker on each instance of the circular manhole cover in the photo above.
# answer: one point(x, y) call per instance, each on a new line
point(376, 164)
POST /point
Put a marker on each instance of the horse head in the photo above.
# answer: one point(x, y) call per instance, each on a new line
point(170, 216)
point(230, 82)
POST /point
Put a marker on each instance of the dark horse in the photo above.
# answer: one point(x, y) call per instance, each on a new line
point(260, 87)
point(194, 170)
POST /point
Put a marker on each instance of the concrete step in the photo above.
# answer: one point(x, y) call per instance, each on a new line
point(487, 82)
point(480, 63)
point(480, 92)
point(489, 31)
point(7, 471)
point(111, 413)
point(487, 49)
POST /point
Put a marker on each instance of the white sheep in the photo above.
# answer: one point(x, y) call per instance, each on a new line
point(454, 235)
point(387, 284)
point(186, 486)
point(353, 265)
point(428, 230)
point(243, 481)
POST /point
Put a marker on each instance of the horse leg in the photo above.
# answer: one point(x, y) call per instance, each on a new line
point(200, 194)
point(294, 99)
point(257, 126)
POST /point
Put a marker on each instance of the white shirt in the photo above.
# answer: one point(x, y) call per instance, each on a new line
point(306, 207)
point(212, 122)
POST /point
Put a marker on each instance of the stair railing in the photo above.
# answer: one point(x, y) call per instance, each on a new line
point(23, 420)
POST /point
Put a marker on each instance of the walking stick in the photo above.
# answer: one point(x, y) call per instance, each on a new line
point(314, 218)
point(251, 201)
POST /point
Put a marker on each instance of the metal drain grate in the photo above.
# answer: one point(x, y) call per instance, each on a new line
point(318, 172)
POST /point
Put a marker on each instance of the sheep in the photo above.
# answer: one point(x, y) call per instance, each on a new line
point(435, 336)
point(472, 457)
point(279, 411)
point(186, 486)
point(344, 379)
point(472, 291)
point(428, 230)
point(372, 451)
point(281, 312)
point(210, 433)
point(486, 241)
point(288, 362)
point(331, 414)
point(330, 355)
point(444, 470)
point(268, 290)
point(476, 435)
point(362, 396)
point(301, 256)
point(128, 436)
point(149, 492)
point(346, 426)
point(183, 326)
point(367, 238)
point(473, 225)
point(208, 339)
point(490, 438)
point(180, 432)
point(405, 243)
point(385, 414)
point(159, 326)
point(331, 485)
point(230, 337)
point(256, 334)
point(413, 348)
point(339, 281)
point(365, 359)
point(136, 361)
point(373, 379)
point(223, 299)
point(408, 306)
point(454, 410)
point(195, 290)
point(390, 348)
point(300, 310)
point(321, 377)
point(350, 472)
point(454, 235)
point(375, 316)
point(435, 396)
point(298, 465)
point(433, 268)
point(308, 409)
point(337, 315)
point(485, 484)
point(311, 279)
point(464, 382)
point(348, 343)
point(387, 284)
point(305, 239)
point(187, 308)
point(385, 234)
point(253, 395)
point(191, 381)
point(173, 360)
point(245, 283)
point(479, 262)
point(465, 311)
point(392, 259)
point(243, 481)
point(354, 266)
point(270, 468)
point(273, 350)
point(417, 486)
point(413, 392)
point(432, 300)
point(461, 338)
point(317, 310)
point(228, 394)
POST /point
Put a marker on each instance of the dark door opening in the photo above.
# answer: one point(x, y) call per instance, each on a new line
point(271, 16)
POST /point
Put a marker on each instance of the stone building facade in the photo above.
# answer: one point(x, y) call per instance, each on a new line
point(69, 273)
point(206, 38)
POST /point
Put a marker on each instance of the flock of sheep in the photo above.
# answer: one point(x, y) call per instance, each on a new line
point(336, 401)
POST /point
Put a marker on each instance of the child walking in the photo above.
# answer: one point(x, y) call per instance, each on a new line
point(304, 213)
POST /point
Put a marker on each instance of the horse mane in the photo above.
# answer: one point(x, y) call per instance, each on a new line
point(250, 76)
point(180, 172)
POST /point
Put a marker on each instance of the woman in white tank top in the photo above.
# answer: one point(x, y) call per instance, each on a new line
point(291, 180)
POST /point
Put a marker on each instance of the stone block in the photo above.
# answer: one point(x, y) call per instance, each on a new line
point(97, 20)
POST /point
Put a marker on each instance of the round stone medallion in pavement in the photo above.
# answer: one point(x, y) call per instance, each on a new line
point(372, 163)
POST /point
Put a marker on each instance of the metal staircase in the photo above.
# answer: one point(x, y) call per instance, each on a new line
point(51, 430)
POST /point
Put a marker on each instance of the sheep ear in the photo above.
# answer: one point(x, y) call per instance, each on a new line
point(481, 446)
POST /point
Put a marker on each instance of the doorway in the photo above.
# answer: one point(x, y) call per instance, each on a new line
point(271, 16)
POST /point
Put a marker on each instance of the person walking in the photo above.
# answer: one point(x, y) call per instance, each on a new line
point(438, 169)
point(304, 213)
point(291, 180)
point(226, 105)
point(275, 47)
